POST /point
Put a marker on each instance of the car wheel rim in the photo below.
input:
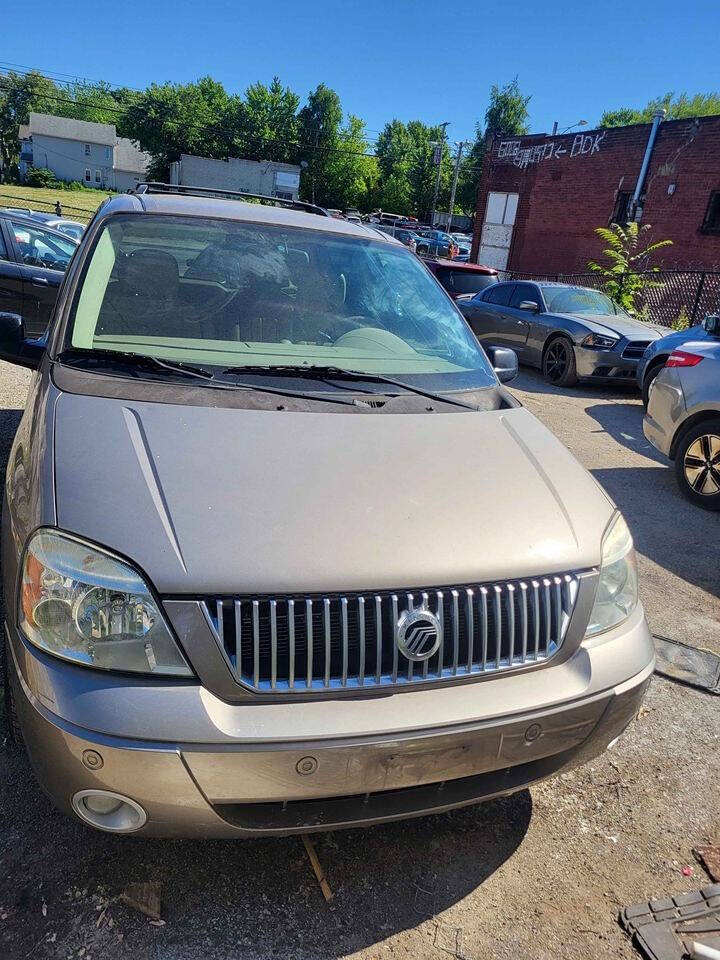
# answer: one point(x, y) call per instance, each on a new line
point(556, 360)
point(702, 465)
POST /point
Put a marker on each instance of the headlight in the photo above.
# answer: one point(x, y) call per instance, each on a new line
point(83, 605)
point(599, 342)
point(617, 592)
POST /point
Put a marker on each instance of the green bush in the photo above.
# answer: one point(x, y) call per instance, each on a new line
point(681, 321)
point(41, 177)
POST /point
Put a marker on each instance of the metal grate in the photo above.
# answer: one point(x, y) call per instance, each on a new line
point(301, 644)
point(635, 349)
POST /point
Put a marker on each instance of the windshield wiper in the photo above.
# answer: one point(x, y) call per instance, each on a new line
point(318, 372)
point(185, 370)
point(137, 359)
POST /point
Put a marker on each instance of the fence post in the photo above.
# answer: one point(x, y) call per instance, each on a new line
point(701, 284)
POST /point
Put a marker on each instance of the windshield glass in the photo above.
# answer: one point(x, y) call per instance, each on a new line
point(578, 300)
point(229, 294)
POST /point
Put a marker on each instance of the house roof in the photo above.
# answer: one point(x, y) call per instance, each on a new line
point(129, 157)
point(44, 124)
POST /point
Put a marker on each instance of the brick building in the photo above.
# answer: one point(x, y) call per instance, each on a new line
point(540, 198)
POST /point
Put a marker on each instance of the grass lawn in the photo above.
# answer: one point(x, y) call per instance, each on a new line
point(76, 204)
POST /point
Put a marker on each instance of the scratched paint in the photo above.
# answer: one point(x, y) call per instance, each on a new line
point(583, 145)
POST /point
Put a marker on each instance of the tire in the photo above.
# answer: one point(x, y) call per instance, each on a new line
point(12, 723)
point(558, 363)
point(648, 379)
point(697, 464)
point(422, 250)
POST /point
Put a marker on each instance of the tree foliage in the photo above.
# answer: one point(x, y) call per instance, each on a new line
point(627, 270)
point(507, 114)
point(678, 106)
point(405, 161)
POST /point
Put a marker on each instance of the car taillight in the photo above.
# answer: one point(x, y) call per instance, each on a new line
point(681, 358)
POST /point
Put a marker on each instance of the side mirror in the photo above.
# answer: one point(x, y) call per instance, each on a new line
point(504, 363)
point(532, 306)
point(711, 324)
point(13, 345)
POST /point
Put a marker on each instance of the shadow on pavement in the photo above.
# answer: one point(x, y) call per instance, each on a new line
point(666, 527)
point(226, 899)
point(532, 381)
point(623, 422)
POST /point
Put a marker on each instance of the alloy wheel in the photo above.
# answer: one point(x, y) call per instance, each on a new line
point(556, 360)
point(701, 465)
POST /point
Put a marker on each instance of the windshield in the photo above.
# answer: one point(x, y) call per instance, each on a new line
point(229, 294)
point(578, 300)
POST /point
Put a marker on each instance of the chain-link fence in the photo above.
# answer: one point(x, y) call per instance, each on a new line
point(680, 294)
point(33, 205)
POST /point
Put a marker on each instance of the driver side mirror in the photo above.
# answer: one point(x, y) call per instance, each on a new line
point(532, 306)
point(14, 347)
point(711, 324)
point(504, 363)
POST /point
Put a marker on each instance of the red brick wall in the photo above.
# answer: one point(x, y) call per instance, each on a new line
point(569, 185)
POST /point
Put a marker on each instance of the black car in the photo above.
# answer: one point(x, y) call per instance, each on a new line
point(33, 259)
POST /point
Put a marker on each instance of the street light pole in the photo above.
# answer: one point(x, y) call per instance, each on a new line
point(437, 179)
point(456, 174)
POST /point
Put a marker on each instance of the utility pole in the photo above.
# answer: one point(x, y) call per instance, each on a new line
point(460, 147)
point(437, 179)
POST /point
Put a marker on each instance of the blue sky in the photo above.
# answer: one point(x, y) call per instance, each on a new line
point(388, 58)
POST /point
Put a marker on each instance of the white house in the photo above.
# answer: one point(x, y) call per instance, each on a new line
point(80, 150)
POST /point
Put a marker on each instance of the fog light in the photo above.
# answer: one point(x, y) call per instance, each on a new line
point(109, 811)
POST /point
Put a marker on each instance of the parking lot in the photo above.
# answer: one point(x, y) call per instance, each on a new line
point(539, 875)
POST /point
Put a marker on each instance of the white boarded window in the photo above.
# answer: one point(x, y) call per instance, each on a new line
point(501, 208)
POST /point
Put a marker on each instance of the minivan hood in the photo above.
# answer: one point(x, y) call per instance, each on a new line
point(212, 500)
point(623, 326)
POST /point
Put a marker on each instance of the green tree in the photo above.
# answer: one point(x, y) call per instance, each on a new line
point(319, 134)
point(507, 114)
point(627, 270)
point(21, 94)
point(352, 174)
point(170, 119)
point(266, 123)
point(404, 155)
point(678, 106)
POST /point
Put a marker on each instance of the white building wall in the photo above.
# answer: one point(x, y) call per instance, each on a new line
point(68, 160)
point(245, 176)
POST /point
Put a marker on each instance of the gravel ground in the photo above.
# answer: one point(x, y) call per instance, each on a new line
point(537, 875)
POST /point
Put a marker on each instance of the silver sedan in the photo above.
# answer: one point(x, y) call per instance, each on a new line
point(570, 333)
point(683, 416)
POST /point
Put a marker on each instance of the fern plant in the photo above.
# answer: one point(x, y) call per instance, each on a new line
point(627, 271)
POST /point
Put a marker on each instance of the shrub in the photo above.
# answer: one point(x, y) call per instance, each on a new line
point(682, 320)
point(40, 177)
point(628, 274)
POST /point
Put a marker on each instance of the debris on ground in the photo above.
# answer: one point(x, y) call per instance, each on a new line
point(144, 897)
point(696, 667)
point(709, 856)
point(664, 929)
point(317, 868)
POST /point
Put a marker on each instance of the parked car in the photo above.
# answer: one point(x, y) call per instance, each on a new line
point(569, 332)
point(656, 354)
point(683, 416)
point(462, 280)
point(33, 260)
point(435, 243)
point(406, 237)
point(463, 243)
point(280, 552)
point(71, 228)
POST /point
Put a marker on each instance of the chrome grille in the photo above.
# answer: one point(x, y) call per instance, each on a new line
point(348, 641)
point(635, 349)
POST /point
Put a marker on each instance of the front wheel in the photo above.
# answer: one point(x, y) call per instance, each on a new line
point(697, 464)
point(558, 364)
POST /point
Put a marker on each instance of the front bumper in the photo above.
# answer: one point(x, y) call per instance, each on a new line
point(606, 365)
point(249, 786)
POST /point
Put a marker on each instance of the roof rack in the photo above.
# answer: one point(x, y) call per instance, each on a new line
point(155, 186)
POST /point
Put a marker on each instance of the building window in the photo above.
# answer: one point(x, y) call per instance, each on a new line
point(88, 175)
point(98, 177)
point(87, 149)
point(621, 211)
point(281, 195)
point(711, 224)
point(107, 153)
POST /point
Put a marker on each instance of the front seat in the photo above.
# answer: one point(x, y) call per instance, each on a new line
point(144, 297)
